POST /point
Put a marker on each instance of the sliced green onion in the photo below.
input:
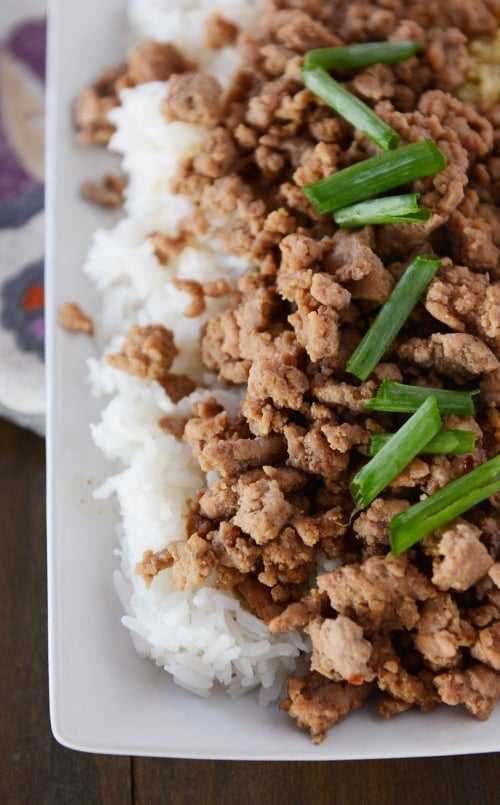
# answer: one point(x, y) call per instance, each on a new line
point(392, 315)
point(351, 108)
point(405, 444)
point(388, 210)
point(446, 442)
point(361, 55)
point(400, 398)
point(449, 502)
point(373, 176)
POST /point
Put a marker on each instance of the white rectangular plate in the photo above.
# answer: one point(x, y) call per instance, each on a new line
point(103, 697)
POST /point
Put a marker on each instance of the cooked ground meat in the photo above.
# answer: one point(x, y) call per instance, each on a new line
point(153, 563)
point(456, 355)
point(90, 115)
point(220, 32)
point(382, 593)
point(465, 559)
point(421, 628)
point(262, 510)
point(317, 703)
point(339, 650)
point(107, 193)
point(150, 352)
point(193, 98)
point(402, 688)
point(440, 633)
point(147, 61)
point(487, 647)
point(193, 561)
point(155, 61)
point(478, 688)
point(72, 317)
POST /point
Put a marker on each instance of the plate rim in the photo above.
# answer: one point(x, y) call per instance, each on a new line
point(66, 734)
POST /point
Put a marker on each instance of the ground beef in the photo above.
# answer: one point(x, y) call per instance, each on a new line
point(174, 426)
point(402, 688)
point(296, 614)
point(220, 32)
point(297, 30)
point(372, 525)
point(478, 688)
point(440, 633)
point(258, 597)
point(466, 301)
point(339, 650)
point(107, 193)
point(284, 385)
point(233, 549)
point(262, 510)
point(90, 115)
point(342, 394)
point(153, 563)
point(456, 355)
point(465, 559)
point(382, 593)
point(146, 61)
point(193, 561)
point(155, 61)
point(487, 647)
point(317, 703)
point(149, 352)
point(217, 155)
point(193, 98)
point(230, 458)
point(72, 318)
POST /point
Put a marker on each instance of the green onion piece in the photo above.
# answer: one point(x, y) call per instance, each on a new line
point(361, 55)
point(405, 444)
point(400, 398)
point(392, 315)
point(446, 442)
point(449, 502)
point(351, 108)
point(387, 210)
point(373, 176)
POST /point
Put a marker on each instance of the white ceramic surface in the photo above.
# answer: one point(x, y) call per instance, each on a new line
point(103, 697)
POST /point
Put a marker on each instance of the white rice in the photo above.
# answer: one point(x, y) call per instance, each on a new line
point(202, 637)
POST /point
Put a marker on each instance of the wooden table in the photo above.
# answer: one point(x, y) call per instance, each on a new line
point(35, 769)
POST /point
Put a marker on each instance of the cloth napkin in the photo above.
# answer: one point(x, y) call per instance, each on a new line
point(22, 84)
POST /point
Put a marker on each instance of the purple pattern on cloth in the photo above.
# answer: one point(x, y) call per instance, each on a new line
point(37, 327)
point(27, 43)
point(26, 320)
point(21, 195)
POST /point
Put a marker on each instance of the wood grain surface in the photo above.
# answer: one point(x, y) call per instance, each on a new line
point(35, 769)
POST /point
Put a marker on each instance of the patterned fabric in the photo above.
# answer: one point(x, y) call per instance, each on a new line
point(22, 80)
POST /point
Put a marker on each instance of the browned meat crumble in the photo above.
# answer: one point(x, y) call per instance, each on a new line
point(150, 352)
point(72, 318)
point(109, 192)
point(423, 628)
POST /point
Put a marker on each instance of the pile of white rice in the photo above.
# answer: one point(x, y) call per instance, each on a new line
point(203, 636)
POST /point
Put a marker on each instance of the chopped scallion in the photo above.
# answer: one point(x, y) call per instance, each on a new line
point(445, 442)
point(396, 397)
point(387, 210)
point(405, 444)
point(373, 176)
point(351, 108)
point(452, 500)
point(392, 315)
point(361, 54)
